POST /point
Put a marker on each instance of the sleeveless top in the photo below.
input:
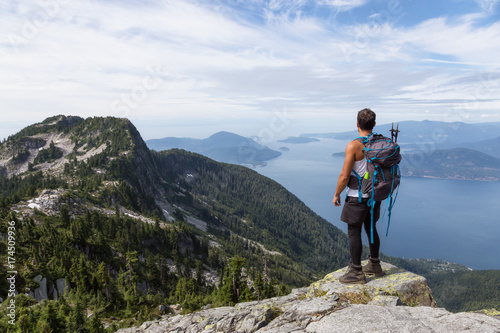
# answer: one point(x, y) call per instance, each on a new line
point(360, 168)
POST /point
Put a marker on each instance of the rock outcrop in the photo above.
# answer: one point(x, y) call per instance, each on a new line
point(400, 301)
point(44, 291)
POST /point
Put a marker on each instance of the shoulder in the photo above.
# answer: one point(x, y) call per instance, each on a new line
point(353, 148)
point(354, 145)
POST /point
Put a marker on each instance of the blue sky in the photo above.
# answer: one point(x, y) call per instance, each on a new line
point(268, 68)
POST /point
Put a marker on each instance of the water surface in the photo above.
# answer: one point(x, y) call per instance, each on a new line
point(453, 220)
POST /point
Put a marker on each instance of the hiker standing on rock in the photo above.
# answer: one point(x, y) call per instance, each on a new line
point(356, 212)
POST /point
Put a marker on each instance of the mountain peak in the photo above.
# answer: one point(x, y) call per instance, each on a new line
point(224, 134)
point(58, 139)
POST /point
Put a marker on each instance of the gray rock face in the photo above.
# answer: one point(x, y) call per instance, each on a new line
point(328, 306)
point(62, 287)
point(41, 292)
point(372, 318)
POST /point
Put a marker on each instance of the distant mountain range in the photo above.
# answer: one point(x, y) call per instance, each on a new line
point(439, 135)
point(456, 163)
point(442, 150)
point(222, 146)
point(489, 146)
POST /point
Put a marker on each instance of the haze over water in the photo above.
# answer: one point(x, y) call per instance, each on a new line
point(453, 220)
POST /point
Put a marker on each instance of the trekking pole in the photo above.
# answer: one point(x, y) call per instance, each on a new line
point(394, 132)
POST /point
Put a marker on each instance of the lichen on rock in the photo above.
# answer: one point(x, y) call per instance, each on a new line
point(410, 288)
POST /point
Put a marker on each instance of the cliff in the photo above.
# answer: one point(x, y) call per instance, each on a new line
point(400, 301)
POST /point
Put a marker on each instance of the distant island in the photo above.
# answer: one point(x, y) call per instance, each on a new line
point(222, 146)
point(339, 154)
point(298, 140)
point(434, 149)
point(457, 163)
point(438, 134)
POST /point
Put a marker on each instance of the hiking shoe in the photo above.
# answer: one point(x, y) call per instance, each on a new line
point(354, 275)
point(373, 267)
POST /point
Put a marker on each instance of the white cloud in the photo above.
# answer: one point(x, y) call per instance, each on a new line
point(344, 5)
point(216, 64)
point(487, 5)
point(463, 41)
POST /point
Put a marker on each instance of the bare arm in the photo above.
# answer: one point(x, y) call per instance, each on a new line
point(350, 158)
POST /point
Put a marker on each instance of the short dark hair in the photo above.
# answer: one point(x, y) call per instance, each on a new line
point(366, 119)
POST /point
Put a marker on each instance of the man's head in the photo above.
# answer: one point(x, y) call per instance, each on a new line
point(366, 119)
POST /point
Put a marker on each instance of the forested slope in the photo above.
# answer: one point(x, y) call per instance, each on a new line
point(260, 209)
point(93, 207)
point(466, 290)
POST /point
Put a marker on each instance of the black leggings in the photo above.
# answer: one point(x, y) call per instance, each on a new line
point(355, 244)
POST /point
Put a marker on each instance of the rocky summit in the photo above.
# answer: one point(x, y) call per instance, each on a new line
point(399, 301)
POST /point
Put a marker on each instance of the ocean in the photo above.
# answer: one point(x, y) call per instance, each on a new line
point(452, 220)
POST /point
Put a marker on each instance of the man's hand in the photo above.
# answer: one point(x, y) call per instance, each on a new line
point(336, 200)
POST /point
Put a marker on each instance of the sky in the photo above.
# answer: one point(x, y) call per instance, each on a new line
point(267, 68)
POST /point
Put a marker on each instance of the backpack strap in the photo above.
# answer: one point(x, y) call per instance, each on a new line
point(364, 139)
point(391, 200)
point(371, 204)
point(360, 182)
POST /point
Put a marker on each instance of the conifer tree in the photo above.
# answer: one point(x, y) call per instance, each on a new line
point(233, 283)
point(50, 320)
point(104, 279)
point(259, 286)
point(77, 318)
point(65, 218)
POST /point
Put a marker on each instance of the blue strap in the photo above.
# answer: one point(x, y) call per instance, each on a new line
point(371, 203)
point(360, 180)
point(393, 201)
point(389, 217)
point(365, 138)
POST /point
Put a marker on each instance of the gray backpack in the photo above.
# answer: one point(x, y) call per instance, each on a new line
point(383, 176)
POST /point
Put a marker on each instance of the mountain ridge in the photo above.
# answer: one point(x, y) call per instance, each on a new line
point(455, 163)
point(440, 134)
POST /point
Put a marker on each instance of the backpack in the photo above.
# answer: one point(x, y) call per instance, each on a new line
point(382, 175)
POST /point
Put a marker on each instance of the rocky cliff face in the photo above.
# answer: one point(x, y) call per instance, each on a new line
point(400, 301)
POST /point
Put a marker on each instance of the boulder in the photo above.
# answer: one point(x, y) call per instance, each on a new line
point(41, 292)
point(410, 288)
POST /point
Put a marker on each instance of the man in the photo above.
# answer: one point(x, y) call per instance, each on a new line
point(356, 213)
